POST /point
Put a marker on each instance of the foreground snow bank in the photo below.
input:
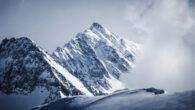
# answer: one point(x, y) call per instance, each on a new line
point(126, 100)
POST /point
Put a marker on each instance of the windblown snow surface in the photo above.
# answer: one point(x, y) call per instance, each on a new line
point(126, 100)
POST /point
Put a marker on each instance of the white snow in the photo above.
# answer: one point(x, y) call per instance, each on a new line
point(76, 82)
point(128, 100)
point(103, 43)
point(62, 94)
point(115, 84)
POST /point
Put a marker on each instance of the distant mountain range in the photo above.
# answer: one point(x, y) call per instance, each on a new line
point(90, 64)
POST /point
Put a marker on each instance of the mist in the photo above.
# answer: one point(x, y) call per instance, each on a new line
point(166, 30)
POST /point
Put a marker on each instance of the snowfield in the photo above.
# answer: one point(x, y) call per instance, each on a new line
point(126, 100)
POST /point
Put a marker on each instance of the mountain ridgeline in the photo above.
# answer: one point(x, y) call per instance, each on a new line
point(97, 58)
point(90, 64)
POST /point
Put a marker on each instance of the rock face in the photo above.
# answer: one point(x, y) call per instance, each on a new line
point(90, 64)
point(25, 67)
point(97, 57)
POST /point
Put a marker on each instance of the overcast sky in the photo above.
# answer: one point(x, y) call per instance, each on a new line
point(165, 28)
point(52, 23)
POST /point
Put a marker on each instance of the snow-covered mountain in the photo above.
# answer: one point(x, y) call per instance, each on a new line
point(90, 64)
point(98, 58)
point(25, 67)
point(142, 99)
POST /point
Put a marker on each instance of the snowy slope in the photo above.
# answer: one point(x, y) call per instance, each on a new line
point(98, 57)
point(126, 100)
point(25, 67)
point(90, 64)
point(72, 79)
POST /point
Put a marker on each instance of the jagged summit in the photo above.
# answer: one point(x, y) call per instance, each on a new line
point(90, 64)
point(96, 25)
point(16, 40)
point(20, 59)
point(20, 38)
point(99, 29)
point(98, 58)
point(25, 68)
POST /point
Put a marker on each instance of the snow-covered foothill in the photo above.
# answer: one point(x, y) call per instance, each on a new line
point(141, 99)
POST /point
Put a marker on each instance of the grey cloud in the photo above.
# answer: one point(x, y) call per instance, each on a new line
point(167, 34)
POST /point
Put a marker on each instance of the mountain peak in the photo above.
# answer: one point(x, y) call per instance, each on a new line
point(26, 68)
point(97, 26)
point(16, 40)
point(97, 57)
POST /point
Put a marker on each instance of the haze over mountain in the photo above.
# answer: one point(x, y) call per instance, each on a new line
point(90, 64)
point(84, 74)
point(164, 28)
